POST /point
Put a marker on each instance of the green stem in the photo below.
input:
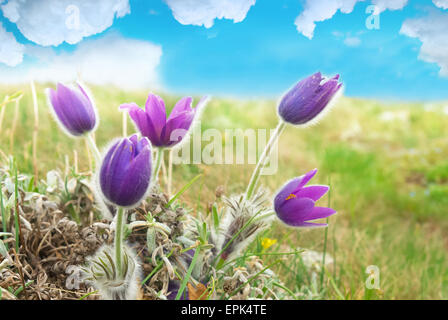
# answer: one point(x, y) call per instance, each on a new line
point(16, 213)
point(261, 162)
point(119, 238)
point(93, 148)
point(325, 239)
point(2, 208)
point(159, 159)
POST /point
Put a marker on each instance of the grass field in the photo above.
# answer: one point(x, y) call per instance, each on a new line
point(386, 163)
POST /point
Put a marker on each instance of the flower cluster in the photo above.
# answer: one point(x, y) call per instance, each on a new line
point(126, 173)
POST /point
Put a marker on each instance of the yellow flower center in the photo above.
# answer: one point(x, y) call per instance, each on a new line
point(291, 196)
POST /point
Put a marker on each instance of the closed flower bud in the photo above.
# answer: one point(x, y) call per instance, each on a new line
point(125, 172)
point(73, 109)
point(294, 204)
point(308, 99)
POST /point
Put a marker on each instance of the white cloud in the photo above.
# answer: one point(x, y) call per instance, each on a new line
point(321, 10)
point(204, 12)
point(11, 52)
point(352, 41)
point(51, 22)
point(441, 3)
point(111, 60)
point(431, 31)
point(390, 4)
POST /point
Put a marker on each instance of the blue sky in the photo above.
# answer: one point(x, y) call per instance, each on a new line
point(264, 54)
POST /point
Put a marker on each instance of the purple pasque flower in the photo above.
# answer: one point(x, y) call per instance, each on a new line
point(294, 204)
point(73, 108)
point(153, 123)
point(308, 98)
point(125, 171)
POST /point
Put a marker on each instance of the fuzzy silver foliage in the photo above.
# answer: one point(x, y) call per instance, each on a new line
point(239, 213)
point(113, 284)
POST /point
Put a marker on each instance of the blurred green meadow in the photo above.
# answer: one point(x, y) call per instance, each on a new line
point(387, 164)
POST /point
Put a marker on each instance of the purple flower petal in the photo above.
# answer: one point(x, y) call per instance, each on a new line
point(182, 106)
point(313, 192)
point(73, 108)
point(308, 99)
point(125, 172)
point(294, 204)
point(143, 122)
point(293, 210)
point(155, 109)
point(320, 213)
point(152, 122)
point(115, 170)
point(286, 190)
point(306, 178)
point(136, 182)
point(176, 128)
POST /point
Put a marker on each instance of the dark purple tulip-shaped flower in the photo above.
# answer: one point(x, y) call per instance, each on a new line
point(153, 123)
point(295, 202)
point(73, 108)
point(125, 172)
point(308, 98)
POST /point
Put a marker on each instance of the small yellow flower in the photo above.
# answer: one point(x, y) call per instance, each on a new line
point(266, 243)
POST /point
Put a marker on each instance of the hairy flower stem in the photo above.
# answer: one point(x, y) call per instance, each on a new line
point(35, 130)
point(262, 161)
point(119, 238)
point(159, 159)
point(94, 148)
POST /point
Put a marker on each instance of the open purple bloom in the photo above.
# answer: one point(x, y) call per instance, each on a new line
point(153, 123)
point(125, 171)
point(73, 108)
point(295, 202)
point(308, 98)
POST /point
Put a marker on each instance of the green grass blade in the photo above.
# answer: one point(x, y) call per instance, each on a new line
point(286, 289)
point(188, 275)
point(181, 191)
point(88, 294)
point(20, 289)
point(322, 273)
point(2, 208)
point(16, 211)
point(157, 268)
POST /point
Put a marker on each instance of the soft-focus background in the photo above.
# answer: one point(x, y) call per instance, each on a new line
point(384, 155)
point(386, 163)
